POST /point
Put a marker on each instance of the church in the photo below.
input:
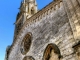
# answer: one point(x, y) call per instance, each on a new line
point(52, 33)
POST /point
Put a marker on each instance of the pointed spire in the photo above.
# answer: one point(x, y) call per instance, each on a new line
point(29, 7)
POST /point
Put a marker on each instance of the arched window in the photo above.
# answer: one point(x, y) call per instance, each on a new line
point(52, 52)
point(28, 58)
point(26, 43)
point(32, 10)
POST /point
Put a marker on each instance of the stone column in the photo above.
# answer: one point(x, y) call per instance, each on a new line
point(72, 8)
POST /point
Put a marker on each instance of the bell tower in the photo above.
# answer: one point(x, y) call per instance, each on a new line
point(27, 9)
point(30, 7)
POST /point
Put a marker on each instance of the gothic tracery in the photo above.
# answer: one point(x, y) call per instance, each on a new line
point(25, 44)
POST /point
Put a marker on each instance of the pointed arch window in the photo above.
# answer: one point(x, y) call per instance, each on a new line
point(52, 52)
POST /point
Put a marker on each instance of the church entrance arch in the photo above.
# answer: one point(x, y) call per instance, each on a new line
point(52, 52)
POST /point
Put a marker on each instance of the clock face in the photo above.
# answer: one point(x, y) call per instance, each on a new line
point(26, 43)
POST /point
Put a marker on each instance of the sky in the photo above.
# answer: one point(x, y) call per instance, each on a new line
point(8, 12)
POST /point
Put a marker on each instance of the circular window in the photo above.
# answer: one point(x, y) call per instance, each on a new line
point(26, 43)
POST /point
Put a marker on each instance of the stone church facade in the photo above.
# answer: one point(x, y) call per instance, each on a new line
point(52, 33)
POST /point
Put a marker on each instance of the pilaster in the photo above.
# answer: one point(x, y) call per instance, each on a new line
point(72, 8)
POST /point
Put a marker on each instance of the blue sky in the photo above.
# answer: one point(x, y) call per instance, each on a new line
point(8, 12)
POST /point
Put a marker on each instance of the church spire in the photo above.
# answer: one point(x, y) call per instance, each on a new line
point(27, 9)
point(30, 7)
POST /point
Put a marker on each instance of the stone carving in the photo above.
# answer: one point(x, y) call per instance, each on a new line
point(32, 10)
point(28, 58)
point(52, 52)
point(25, 44)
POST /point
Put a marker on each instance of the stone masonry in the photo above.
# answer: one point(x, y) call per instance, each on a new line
point(58, 24)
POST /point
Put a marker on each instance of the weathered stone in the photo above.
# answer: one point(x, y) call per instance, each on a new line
point(58, 23)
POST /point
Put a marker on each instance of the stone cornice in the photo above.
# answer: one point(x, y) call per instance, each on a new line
point(42, 11)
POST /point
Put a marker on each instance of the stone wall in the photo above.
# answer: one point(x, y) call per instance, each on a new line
point(73, 11)
point(51, 26)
